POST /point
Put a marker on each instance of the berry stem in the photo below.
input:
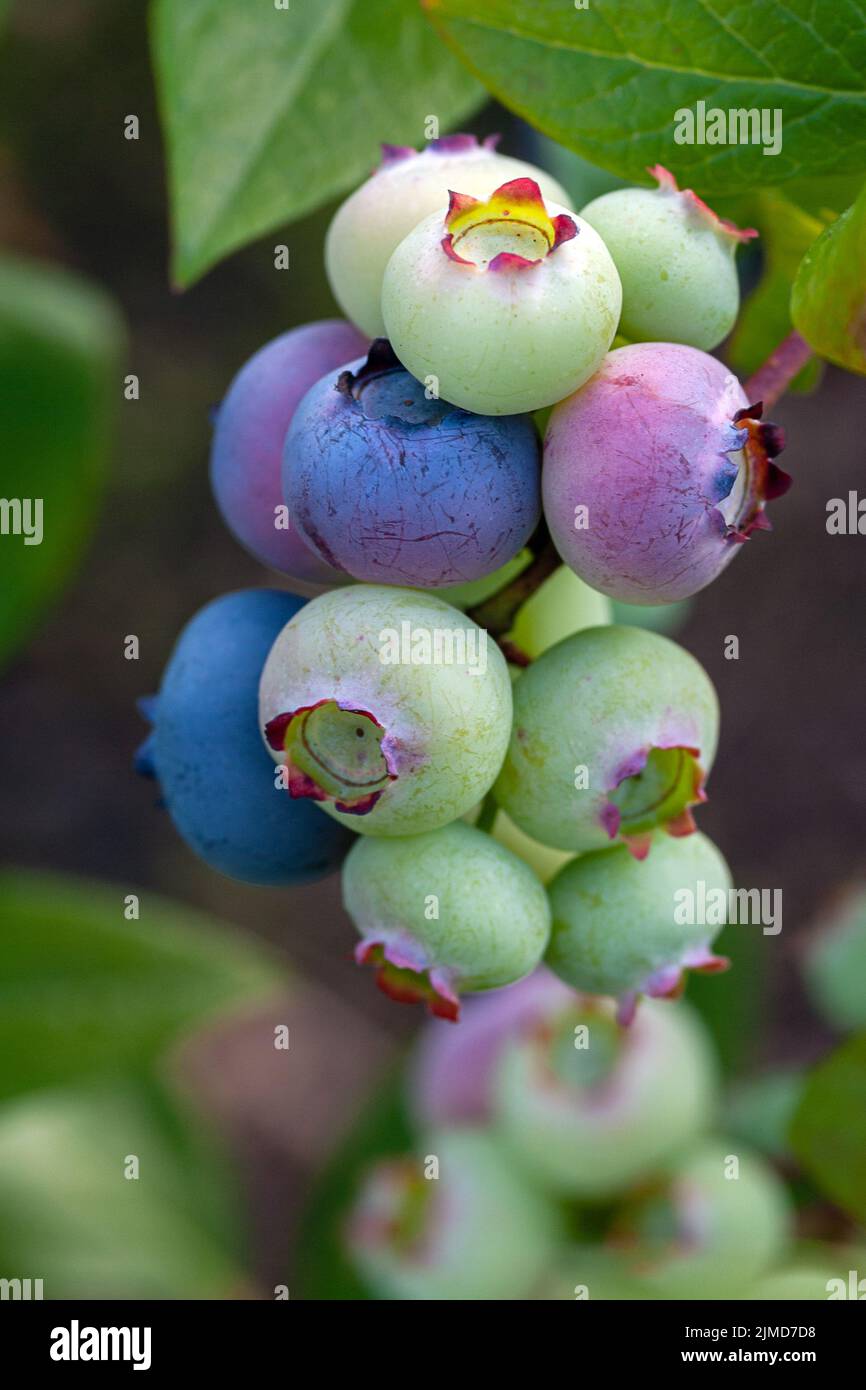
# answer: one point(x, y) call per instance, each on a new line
point(773, 378)
point(497, 613)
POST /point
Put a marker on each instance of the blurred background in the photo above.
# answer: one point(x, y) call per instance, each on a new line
point(79, 832)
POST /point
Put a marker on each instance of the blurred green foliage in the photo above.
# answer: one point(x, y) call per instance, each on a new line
point(60, 346)
point(828, 1131)
point(86, 992)
point(107, 1193)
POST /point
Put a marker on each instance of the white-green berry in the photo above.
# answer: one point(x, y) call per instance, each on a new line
point(675, 259)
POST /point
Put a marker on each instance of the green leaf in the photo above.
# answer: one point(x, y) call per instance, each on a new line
point(786, 233)
point(85, 993)
point(608, 80)
point(60, 342)
point(381, 1129)
point(269, 112)
point(828, 1133)
point(71, 1216)
point(828, 302)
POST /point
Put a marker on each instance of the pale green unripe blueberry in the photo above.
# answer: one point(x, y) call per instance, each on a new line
point(626, 928)
point(504, 306)
point(720, 1220)
point(615, 731)
point(475, 1231)
point(561, 606)
point(544, 861)
point(444, 914)
point(387, 706)
point(675, 259)
point(589, 1108)
point(407, 187)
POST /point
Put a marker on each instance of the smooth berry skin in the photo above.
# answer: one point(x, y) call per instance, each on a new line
point(649, 447)
point(589, 1123)
point(406, 188)
point(205, 750)
point(501, 342)
point(615, 922)
point(445, 913)
point(442, 729)
point(451, 1072)
point(595, 716)
point(676, 262)
point(477, 1231)
point(704, 1234)
point(390, 487)
point(250, 428)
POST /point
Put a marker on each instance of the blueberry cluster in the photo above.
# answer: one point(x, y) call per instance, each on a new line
point(501, 801)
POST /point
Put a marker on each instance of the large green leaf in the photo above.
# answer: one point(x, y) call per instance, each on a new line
point(70, 1215)
point(828, 302)
point(85, 992)
point(828, 1133)
point(59, 363)
point(609, 79)
point(268, 112)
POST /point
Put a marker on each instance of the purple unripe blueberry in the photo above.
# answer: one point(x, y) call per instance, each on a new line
point(205, 749)
point(656, 471)
point(247, 448)
point(392, 487)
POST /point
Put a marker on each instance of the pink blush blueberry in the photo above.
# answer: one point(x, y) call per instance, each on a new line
point(656, 472)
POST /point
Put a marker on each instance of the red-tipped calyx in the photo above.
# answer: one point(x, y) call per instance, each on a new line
point(761, 480)
point(510, 230)
point(404, 977)
point(332, 752)
point(668, 184)
point(654, 789)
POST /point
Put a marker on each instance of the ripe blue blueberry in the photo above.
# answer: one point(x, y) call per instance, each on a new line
point(205, 750)
point(247, 448)
point(390, 486)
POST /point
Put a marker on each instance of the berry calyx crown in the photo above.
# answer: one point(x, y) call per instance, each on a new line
point(695, 205)
point(510, 230)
